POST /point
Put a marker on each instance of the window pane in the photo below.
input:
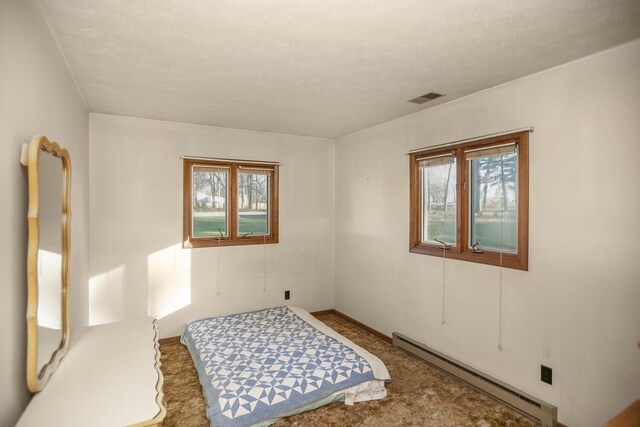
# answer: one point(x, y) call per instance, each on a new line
point(494, 208)
point(209, 208)
point(253, 202)
point(438, 185)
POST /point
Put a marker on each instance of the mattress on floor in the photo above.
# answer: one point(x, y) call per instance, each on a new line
point(258, 367)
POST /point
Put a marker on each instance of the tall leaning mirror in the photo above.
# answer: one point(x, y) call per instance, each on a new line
point(49, 181)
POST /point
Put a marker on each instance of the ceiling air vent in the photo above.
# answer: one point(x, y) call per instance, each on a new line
point(425, 98)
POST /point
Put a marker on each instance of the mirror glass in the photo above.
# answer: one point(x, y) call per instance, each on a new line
point(49, 220)
point(49, 269)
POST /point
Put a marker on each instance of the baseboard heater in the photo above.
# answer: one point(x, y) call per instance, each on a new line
point(535, 408)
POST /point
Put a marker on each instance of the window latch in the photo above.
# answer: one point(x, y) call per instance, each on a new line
point(246, 235)
point(445, 246)
point(221, 235)
point(475, 248)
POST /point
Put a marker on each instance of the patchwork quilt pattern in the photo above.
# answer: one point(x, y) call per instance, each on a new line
point(259, 365)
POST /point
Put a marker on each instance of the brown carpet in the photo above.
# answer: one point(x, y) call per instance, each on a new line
point(418, 395)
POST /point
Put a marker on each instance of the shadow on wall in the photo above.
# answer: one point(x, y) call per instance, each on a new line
point(105, 297)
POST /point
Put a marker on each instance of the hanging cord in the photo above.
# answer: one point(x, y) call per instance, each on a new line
point(218, 263)
point(264, 263)
point(444, 258)
point(500, 301)
point(501, 251)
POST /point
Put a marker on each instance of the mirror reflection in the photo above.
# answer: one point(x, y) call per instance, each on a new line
point(51, 189)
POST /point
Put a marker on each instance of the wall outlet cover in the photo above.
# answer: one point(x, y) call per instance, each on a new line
point(546, 374)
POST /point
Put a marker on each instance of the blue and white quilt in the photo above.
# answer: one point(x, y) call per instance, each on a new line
point(259, 365)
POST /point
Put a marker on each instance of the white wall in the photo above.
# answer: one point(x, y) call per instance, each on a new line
point(137, 263)
point(37, 96)
point(577, 308)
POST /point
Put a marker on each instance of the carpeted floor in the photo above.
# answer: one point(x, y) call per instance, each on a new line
point(418, 395)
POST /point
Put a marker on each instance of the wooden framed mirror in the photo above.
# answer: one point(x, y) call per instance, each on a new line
point(49, 217)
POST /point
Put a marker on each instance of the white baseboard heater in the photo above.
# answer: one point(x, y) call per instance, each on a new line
point(545, 413)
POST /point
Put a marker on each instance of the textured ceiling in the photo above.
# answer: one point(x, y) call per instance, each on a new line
point(316, 67)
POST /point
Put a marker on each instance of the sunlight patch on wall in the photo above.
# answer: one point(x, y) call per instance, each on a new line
point(169, 274)
point(105, 297)
point(49, 289)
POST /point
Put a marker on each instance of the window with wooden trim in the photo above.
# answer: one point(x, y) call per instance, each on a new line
point(229, 202)
point(469, 201)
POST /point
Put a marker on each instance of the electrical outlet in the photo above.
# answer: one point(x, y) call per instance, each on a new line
point(287, 294)
point(546, 374)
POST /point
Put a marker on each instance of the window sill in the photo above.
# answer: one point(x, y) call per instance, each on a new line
point(214, 243)
point(516, 262)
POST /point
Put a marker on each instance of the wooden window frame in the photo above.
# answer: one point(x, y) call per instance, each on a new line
point(232, 238)
point(461, 250)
